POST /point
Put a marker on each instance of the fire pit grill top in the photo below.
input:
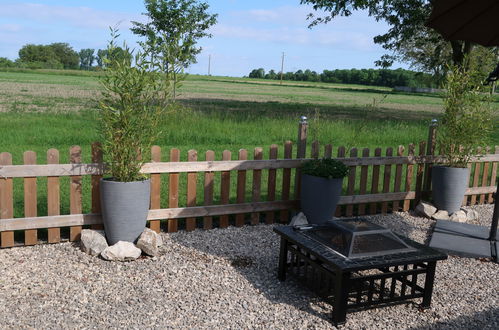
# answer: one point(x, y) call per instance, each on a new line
point(356, 238)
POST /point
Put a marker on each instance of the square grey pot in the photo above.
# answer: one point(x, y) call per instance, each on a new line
point(125, 206)
point(448, 187)
point(319, 197)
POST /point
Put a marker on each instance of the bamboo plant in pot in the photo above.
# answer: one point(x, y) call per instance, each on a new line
point(466, 125)
point(321, 185)
point(134, 98)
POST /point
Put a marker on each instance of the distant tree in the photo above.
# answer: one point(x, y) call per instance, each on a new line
point(86, 58)
point(36, 53)
point(6, 63)
point(257, 73)
point(56, 56)
point(66, 55)
point(271, 75)
point(101, 55)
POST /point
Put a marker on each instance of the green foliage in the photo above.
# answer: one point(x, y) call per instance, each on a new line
point(65, 54)
point(467, 121)
point(133, 104)
point(6, 63)
point(86, 58)
point(53, 56)
point(325, 168)
point(370, 77)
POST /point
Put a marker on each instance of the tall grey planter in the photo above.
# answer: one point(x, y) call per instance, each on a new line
point(319, 197)
point(124, 209)
point(448, 187)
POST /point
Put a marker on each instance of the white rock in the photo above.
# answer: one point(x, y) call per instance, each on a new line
point(471, 215)
point(299, 219)
point(459, 216)
point(441, 215)
point(93, 242)
point(426, 209)
point(121, 251)
point(148, 242)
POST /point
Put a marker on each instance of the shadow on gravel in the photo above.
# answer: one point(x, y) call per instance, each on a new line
point(253, 252)
point(488, 319)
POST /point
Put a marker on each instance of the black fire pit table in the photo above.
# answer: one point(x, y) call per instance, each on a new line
point(355, 264)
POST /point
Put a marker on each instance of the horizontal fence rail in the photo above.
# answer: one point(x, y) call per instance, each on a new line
point(46, 201)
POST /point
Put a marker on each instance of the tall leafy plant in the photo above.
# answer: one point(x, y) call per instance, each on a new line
point(467, 121)
point(136, 95)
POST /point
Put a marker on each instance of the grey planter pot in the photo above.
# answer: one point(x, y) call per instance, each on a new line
point(319, 197)
point(124, 209)
point(448, 187)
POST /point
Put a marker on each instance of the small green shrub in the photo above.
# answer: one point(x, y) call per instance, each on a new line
point(325, 168)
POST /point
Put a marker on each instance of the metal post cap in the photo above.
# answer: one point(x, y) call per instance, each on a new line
point(303, 119)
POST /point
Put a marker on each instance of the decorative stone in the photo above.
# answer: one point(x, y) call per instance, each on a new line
point(425, 209)
point(441, 215)
point(121, 251)
point(93, 242)
point(459, 216)
point(471, 215)
point(149, 241)
point(298, 220)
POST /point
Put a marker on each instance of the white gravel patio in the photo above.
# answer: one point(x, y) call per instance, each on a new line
point(223, 278)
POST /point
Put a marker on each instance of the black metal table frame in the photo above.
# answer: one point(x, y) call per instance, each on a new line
point(350, 290)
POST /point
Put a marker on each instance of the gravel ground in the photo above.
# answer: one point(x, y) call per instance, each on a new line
point(221, 279)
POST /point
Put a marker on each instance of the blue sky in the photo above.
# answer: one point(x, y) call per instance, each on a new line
point(249, 34)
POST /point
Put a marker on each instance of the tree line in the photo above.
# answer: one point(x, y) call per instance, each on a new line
point(61, 55)
point(371, 77)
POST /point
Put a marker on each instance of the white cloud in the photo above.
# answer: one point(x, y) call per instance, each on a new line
point(75, 16)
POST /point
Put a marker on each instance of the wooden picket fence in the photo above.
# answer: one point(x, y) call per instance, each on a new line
point(250, 191)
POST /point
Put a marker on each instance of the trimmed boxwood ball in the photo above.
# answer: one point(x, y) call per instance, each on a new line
point(325, 168)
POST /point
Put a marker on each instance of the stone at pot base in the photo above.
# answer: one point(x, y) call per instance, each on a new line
point(149, 241)
point(425, 209)
point(121, 251)
point(93, 242)
point(299, 219)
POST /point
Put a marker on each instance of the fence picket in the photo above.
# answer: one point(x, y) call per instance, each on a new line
point(351, 182)
point(485, 177)
point(341, 154)
point(493, 176)
point(386, 180)
point(476, 178)
point(173, 190)
point(271, 184)
point(408, 178)
point(241, 187)
point(257, 183)
point(96, 158)
point(75, 193)
point(190, 223)
point(420, 173)
point(363, 182)
point(375, 182)
point(53, 197)
point(315, 150)
point(398, 178)
point(30, 199)
point(155, 188)
point(6, 201)
point(286, 181)
point(225, 189)
point(328, 151)
point(208, 190)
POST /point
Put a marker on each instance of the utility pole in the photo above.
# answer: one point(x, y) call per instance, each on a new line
point(209, 65)
point(282, 66)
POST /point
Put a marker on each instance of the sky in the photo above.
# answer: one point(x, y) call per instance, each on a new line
point(249, 34)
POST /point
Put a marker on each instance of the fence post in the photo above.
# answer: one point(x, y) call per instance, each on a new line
point(301, 151)
point(430, 151)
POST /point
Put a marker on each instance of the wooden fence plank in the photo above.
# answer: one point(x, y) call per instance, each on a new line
point(257, 183)
point(155, 188)
point(476, 178)
point(386, 180)
point(75, 193)
point(315, 150)
point(485, 178)
point(53, 197)
point(328, 151)
point(6, 201)
point(225, 189)
point(341, 155)
point(408, 178)
point(286, 181)
point(271, 184)
point(208, 190)
point(398, 178)
point(96, 158)
point(190, 223)
point(351, 182)
point(375, 182)
point(173, 190)
point(493, 175)
point(241, 187)
point(363, 182)
point(30, 199)
point(420, 173)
